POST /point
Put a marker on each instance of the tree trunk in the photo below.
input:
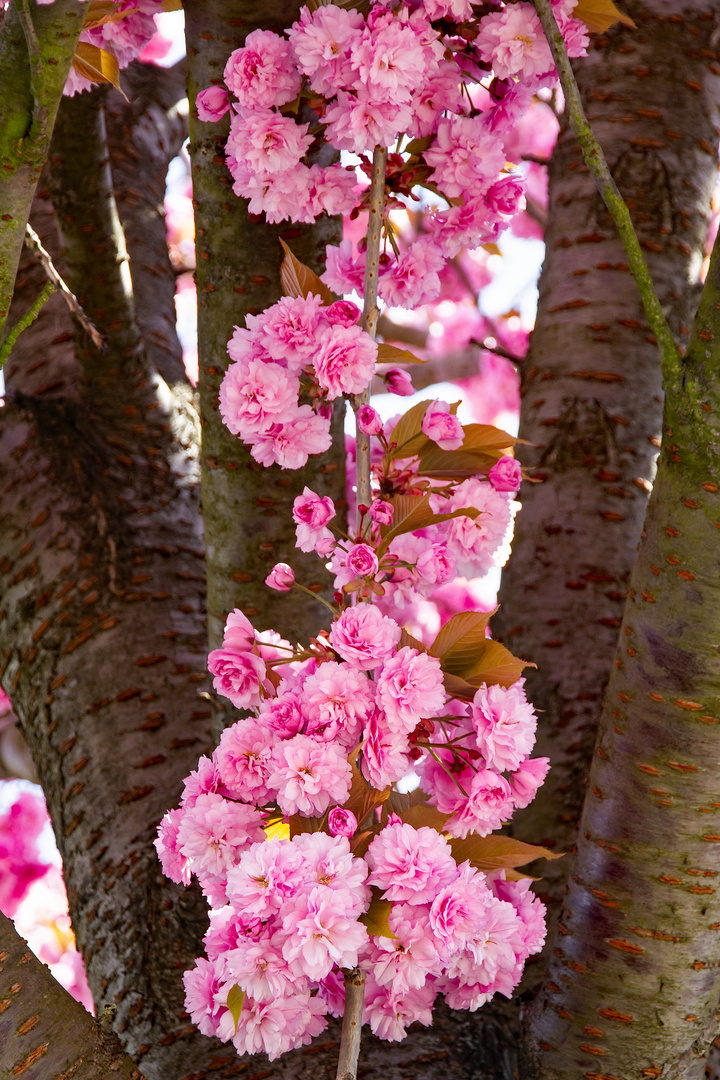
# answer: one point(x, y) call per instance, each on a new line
point(633, 984)
point(591, 389)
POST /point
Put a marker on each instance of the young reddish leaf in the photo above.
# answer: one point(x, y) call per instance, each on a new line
point(408, 427)
point(418, 146)
point(460, 464)
point(304, 825)
point(377, 915)
point(489, 853)
point(97, 65)
point(464, 632)
point(390, 354)
point(411, 642)
point(418, 516)
point(458, 688)
point(598, 15)
point(172, 5)
point(297, 279)
point(495, 665)
point(235, 1000)
point(485, 437)
point(422, 814)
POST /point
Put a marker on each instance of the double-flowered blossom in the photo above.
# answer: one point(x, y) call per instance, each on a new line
point(312, 860)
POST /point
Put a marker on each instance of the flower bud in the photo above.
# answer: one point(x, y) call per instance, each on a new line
point(212, 104)
point(399, 382)
point(382, 512)
point(368, 420)
point(362, 560)
point(505, 474)
point(342, 313)
point(281, 577)
point(341, 822)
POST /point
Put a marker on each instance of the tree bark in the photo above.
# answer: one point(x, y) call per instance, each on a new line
point(36, 49)
point(592, 397)
point(247, 508)
point(57, 1037)
point(634, 979)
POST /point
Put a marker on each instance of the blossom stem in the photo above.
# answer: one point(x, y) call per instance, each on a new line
point(370, 314)
point(351, 1025)
point(315, 595)
point(599, 170)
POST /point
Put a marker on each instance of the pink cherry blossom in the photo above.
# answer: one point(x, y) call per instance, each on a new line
point(311, 513)
point(364, 637)
point(322, 42)
point(342, 313)
point(464, 156)
point(266, 876)
point(411, 865)
point(212, 104)
point(369, 420)
point(262, 74)
point(242, 759)
point(505, 723)
point(381, 512)
point(342, 822)
point(330, 865)
point(261, 969)
point(513, 41)
point(506, 474)
point(175, 865)
point(281, 577)
point(442, 427)
point(237, 676)
point(308, 776)
point(214, 831)
point(255, 395)
point(267, 142)
point(290, 444)
point(436, 565)
point(345, 360)
point(361, 561)
point(409, 688)
point(202, 986)
point(489, 804)
point(385, 753)
point(336, 701)
point(319, 934)
point(398, 382)
point(283, 714)
point(389, 1015)
point(403, 962)
point(274, 1027)
point(526, 780)
point(414, 279)
point(288, 330)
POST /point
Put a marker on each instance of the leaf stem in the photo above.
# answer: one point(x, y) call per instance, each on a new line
point(595, 160)
point(370, 314)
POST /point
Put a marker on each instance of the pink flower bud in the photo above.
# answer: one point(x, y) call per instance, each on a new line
point(341, 822)
point(368, 420)
point(505, 474)
point(281, 577)
point(382, 512)
point(342, 313)
point(362, 560)
point(398, 382)
point(326, 544)
point(442, 427)
point(212, 104)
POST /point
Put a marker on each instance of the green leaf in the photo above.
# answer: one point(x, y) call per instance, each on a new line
point(390, 354)
point(490, 853)
point(235, 1000)
point(297, 279)
point(599, 15)
point(377, 915)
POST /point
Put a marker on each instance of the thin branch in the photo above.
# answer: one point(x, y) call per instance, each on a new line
point(598, 167)
point(370, 313)
point(22, 324)
point(33, 241)
point(351, 1025)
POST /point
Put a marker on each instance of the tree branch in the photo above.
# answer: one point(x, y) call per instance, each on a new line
point(54, 278)
point(598, 167)
point(23, 103)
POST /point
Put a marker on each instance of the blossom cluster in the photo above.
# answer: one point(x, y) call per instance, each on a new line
point(296, 345)
point(123, 33)
point(429, 76)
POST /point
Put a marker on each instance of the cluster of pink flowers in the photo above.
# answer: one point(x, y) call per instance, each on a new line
point(378, 80)
point(357, 710)
point(297, 344)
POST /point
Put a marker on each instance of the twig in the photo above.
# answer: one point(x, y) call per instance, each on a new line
point(351, 1025)
point(37, 76)
point(27, 320)
point(598, 167)
point(370, 313)
point(33, 241)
